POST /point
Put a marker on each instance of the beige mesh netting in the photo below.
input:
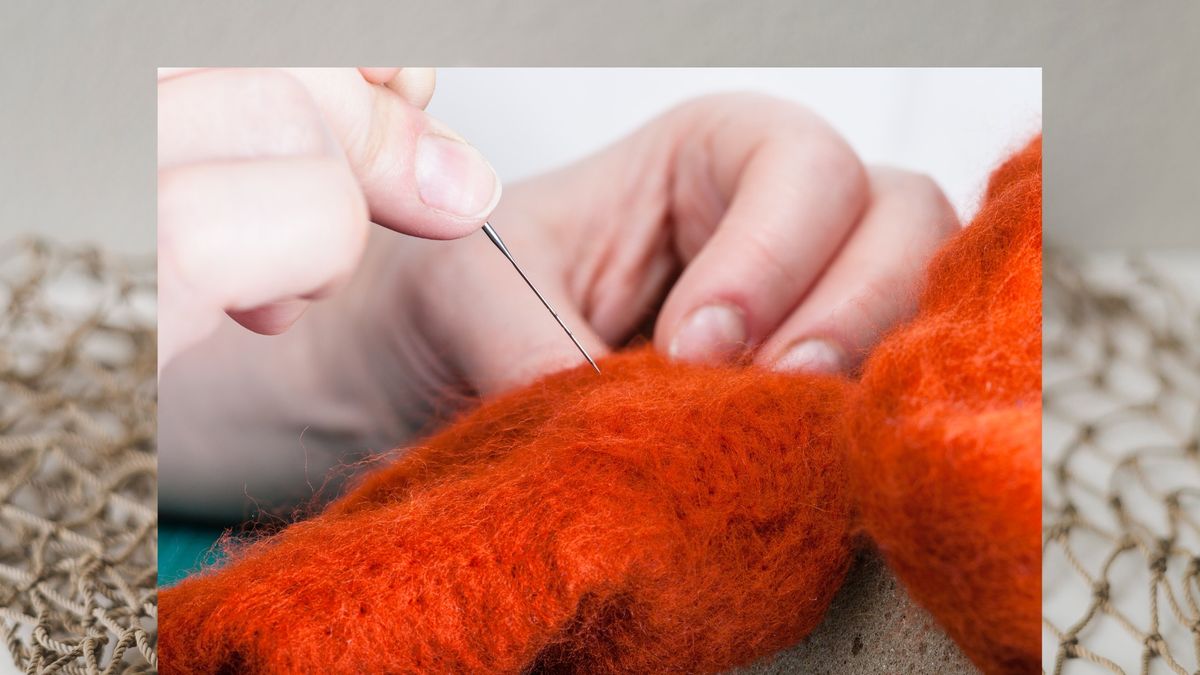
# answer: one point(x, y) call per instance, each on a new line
point(1121, 539)
point(77, 461)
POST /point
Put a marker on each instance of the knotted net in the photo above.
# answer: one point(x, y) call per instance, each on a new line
point(78, 513)
point(1121, 520)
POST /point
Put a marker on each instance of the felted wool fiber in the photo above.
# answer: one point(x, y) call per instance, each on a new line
point(667, 517)
point(660, 517)
point(945, 438)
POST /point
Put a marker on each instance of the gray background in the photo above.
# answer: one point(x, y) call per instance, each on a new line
point(1121, 93)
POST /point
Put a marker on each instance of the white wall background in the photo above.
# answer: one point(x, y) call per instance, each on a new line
point(954, 124)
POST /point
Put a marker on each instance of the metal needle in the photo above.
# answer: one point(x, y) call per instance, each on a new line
point(491, 234)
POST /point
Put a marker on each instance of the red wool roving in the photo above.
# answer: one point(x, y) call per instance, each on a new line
point(669, 517)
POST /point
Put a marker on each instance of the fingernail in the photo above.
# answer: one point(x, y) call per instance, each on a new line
point(712, 333)
point(454, 178)
point(813, 356)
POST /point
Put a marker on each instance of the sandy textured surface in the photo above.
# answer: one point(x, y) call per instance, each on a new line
point(872, 627)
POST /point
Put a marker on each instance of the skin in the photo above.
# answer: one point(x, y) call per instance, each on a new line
point(744, 202)
point(266, 180)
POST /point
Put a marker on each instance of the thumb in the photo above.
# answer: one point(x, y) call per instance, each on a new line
point(485, 321)
point(418, 176)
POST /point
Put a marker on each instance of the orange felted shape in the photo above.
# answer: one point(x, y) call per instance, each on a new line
point(945, 438)
point(664, 517)
point(656, 518)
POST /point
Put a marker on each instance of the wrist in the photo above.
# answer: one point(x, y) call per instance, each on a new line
point(372, 349)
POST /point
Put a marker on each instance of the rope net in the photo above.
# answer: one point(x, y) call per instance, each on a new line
point(1121, 496)
point(78, 513)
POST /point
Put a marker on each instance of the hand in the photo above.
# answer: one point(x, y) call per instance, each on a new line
point(746, 204)
point(745, 222)
point(267, 179)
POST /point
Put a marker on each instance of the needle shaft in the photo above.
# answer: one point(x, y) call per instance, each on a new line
point(495, 238)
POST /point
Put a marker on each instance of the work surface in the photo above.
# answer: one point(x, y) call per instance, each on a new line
point(871, 627)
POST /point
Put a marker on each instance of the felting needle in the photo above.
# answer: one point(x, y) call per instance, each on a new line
point(491, 234)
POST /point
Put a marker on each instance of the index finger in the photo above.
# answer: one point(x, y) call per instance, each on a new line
point(795, 191)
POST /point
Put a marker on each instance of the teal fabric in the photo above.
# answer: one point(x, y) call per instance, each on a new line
point(184, 547)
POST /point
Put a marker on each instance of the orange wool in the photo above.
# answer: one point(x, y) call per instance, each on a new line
point(945, 442)
point(656, 518)
point(665, 517)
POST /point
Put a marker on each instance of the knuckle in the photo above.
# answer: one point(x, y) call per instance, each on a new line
point(895, 182)
point(291, 115)
point(840, 169)
point(918, 193)
point(924, 186)
point(833, 155)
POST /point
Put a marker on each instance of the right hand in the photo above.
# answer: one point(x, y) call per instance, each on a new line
point(268, 180)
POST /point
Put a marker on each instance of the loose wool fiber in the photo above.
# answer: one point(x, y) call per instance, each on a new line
point(664, 517)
